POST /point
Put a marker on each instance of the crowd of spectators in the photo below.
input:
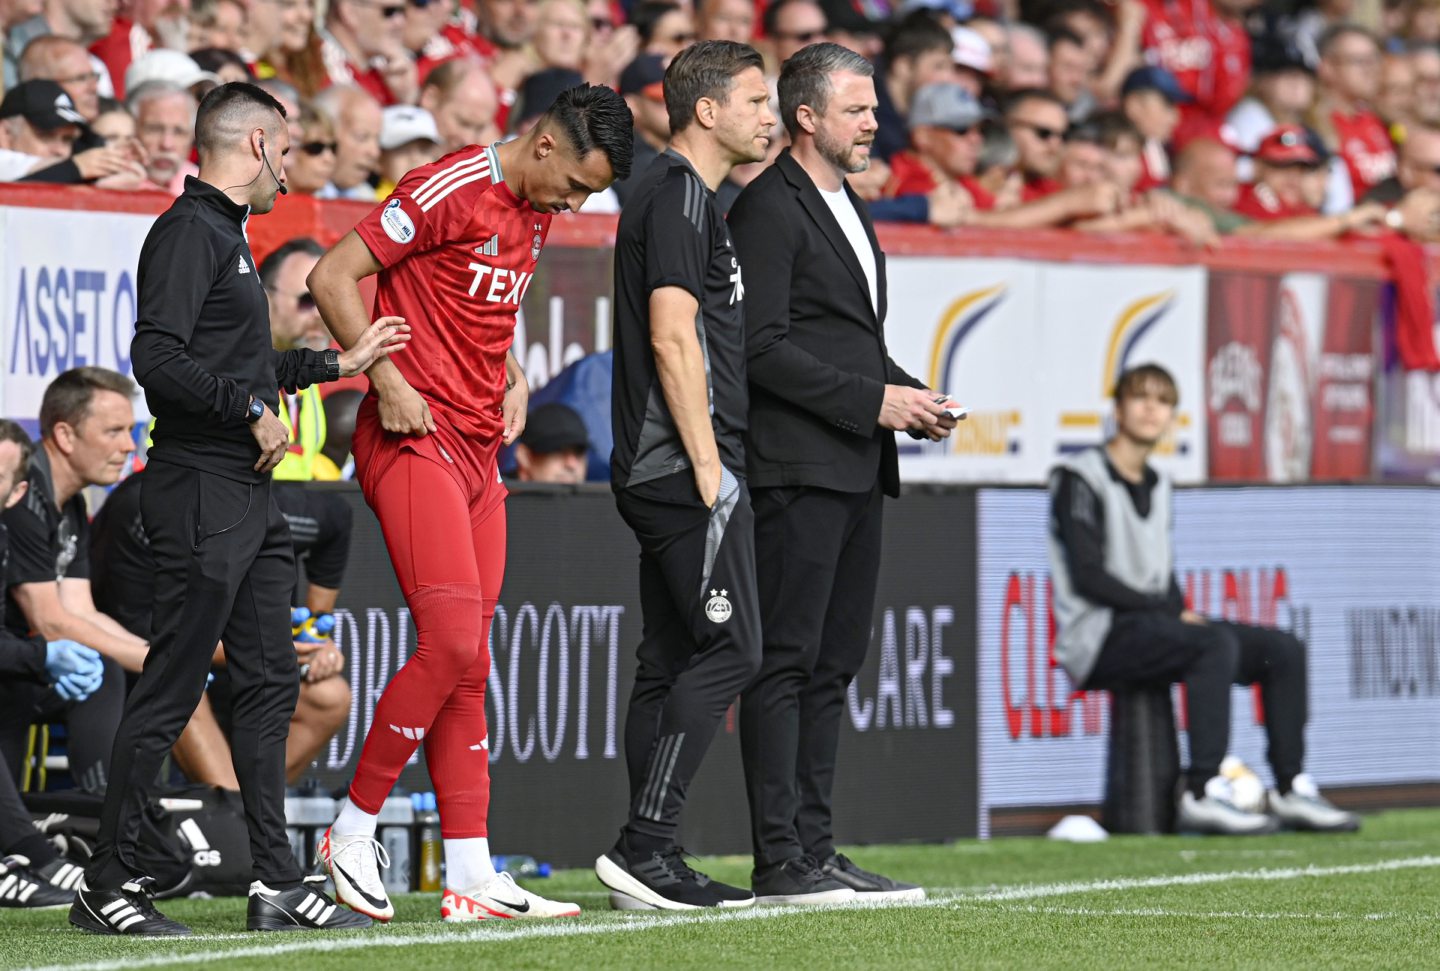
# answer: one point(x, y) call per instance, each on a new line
point(1197, 118)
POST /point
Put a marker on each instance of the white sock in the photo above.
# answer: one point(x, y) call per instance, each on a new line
point(467, 863)
point(354, 821)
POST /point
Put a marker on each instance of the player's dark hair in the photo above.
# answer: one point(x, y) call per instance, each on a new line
point(1135, 380)
point(270, 266)
point(805, 78)
point(705, 70)
point(12, 432)
point(592, 117)
point(917, 34)
point(69, 395)
point(228, 112)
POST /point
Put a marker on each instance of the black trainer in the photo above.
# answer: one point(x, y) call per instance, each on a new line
point(302, 908)
point(798, 880)
point(61, 873)
point(662, 880)
point(870, 886)
point(23, 886)
point(124, 911)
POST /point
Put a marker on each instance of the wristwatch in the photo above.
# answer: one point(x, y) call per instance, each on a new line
point(255, 410)
point(332, 364)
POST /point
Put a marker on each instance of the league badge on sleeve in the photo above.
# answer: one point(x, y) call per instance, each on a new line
point(396, 222)
point(536, 243)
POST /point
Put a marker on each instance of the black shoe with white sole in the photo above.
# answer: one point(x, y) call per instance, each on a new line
point(869, 886)
point(302, 908)
point(61, 873)
point(124, 911)
point(662, 880)
point(798, 880)
point(21, 885)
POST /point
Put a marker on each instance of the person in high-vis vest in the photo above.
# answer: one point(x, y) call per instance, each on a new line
point(1122, 620)
point(294, 322)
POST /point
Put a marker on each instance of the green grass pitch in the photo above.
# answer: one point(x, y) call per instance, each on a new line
point(1369, 900)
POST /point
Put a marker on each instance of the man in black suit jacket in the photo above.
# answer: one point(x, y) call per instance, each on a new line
point(825, 402)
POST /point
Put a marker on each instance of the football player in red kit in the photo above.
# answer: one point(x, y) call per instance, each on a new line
point(455, 247)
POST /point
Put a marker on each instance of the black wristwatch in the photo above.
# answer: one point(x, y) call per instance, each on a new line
point(254, 411)
point(332, 364)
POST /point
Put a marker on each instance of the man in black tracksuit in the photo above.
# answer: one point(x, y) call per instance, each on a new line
point(679, 403)
point(224, 564)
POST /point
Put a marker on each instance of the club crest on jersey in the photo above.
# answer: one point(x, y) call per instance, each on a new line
point(535, 244)
point(718, 608)
point(396, 222)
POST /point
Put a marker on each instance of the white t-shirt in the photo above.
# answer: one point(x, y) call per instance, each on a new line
point(854, 231)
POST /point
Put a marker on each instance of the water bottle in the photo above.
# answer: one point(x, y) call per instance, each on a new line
point(431, 849)
point(520, 866)
point(397, 816)
point(310, 629)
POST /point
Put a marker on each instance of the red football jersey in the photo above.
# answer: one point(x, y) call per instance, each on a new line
point(1365, 146)
point(1259, 202)
point(459, 251)
point(1208, 54)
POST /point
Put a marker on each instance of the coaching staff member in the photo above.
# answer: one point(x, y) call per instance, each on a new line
point(678, 406)
point(224, 564)
point(825, 402)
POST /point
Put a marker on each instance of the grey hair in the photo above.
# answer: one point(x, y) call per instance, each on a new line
point(154, 91)
point(1026, 30)
point(805, 79)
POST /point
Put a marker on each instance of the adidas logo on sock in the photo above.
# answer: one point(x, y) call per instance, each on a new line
point(415, 733)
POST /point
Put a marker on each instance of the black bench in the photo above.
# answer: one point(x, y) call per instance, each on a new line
point(1143, 763)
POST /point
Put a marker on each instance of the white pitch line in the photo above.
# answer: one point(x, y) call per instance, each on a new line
point(646, 923)
point(1195, 914)
point(1192, 879)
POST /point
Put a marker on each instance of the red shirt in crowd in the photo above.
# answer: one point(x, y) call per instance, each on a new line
point(909, 176)
point(1259, 201)
point(1365, 146)
point(1209, 54)
point(982, 197)
point(459, 251)
point(126, 43)
point(1039, 189)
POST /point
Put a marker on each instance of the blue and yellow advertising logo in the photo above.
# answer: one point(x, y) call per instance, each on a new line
point(995, 433)
point(1080, 430)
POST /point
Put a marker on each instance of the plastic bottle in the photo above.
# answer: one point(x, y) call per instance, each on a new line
point(520, 866)
point(397, 816)
point(431, 849)
point(312, 630)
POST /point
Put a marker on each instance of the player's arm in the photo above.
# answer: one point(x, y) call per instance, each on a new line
point(335, 285)
point(516, 403)
point(47, 615)
point(680, 365)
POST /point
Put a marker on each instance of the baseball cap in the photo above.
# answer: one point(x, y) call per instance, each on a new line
point(970, 50)
point(945, 105)
point(1155, 78)
point(539, 91)
point(554, 427)
point(44, 104)
point(167, 65)
point(644, 75)
point(403, 124)
point(1288, 145)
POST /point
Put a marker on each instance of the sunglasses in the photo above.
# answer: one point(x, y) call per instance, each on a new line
point(319, 148)
point(1042, 132)
point(689, 38)
point(804, 37)
point(392, 10)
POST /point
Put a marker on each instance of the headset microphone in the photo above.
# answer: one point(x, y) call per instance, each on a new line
point(284, 191)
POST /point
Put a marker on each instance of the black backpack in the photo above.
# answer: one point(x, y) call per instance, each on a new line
point(191, 840)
